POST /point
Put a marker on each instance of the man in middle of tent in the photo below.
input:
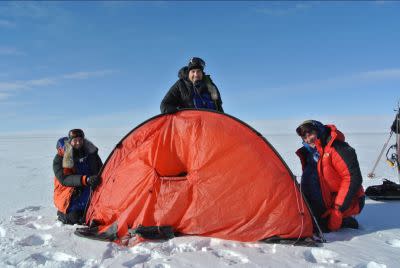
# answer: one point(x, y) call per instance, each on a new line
point(331, 179)
point(194, 89)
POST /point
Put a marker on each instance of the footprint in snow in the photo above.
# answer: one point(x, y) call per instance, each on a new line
point(231, 257)
point(36, 259)
point(394, 243)
point(29, 208)
point(162, 265)
point(111, 251)
point(317, 255)
point(37, 226)
point(24, 219)
point(139, 259)
point(35, 240)
point(48, 259)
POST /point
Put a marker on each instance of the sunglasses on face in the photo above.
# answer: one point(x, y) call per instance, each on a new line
point(76, 140)
point(308, 134)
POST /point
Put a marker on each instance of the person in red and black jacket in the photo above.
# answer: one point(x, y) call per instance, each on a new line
point(331, 179)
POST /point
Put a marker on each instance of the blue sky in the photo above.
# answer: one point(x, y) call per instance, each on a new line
point(109, 64)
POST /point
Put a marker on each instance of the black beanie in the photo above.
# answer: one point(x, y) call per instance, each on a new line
point(310, 125)
point(306, 127)
point(75, 133)
point(196, 63)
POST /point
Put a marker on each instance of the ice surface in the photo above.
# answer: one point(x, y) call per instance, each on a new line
point(30, 235)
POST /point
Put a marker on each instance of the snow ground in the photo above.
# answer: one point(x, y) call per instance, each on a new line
point(30, 235)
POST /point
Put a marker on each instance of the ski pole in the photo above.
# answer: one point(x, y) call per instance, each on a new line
point(371, 174)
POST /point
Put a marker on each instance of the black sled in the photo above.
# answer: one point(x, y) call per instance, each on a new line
point(388, 190)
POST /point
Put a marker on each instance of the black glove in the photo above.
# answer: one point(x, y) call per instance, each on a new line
point(93, 181)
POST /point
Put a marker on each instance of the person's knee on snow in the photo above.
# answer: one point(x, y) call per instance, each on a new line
point(75, 167)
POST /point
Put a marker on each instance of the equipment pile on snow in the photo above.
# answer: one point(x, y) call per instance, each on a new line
point(388, 190)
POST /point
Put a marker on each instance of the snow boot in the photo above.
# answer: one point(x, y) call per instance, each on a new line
point(350, 222)
point(74, 217)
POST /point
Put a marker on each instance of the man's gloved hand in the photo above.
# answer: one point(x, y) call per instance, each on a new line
point(335, 218)
point(93, 181)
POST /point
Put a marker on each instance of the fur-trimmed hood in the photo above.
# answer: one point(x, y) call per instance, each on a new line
point(68, 158)
point(211, 88)
point(183, 74)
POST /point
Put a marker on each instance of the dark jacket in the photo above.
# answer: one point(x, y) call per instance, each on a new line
point(338, 172)
point(180, 95)
point(310, 182)
point(71, 168)
point(396, 124)
point(74, 179)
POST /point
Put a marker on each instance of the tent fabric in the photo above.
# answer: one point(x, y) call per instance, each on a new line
point(203, 173)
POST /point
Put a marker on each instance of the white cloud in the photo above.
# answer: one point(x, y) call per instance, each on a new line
point(10, 51)
point(380, 74)
point(7, 87)
point(12, 86)
point(85, 75)
point(42, 14)
point(41, 82)
point(19, 85)
point(340, 81)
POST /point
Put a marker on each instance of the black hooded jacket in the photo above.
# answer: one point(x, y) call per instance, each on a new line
point(180, 95)
point(90, 151)
point(396, 124)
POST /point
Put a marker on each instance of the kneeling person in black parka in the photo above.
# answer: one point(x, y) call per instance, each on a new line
point(75, 166)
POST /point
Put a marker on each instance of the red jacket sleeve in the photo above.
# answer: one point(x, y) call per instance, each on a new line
point(344, 161)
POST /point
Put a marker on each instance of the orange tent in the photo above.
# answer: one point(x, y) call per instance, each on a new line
point(202, 173)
